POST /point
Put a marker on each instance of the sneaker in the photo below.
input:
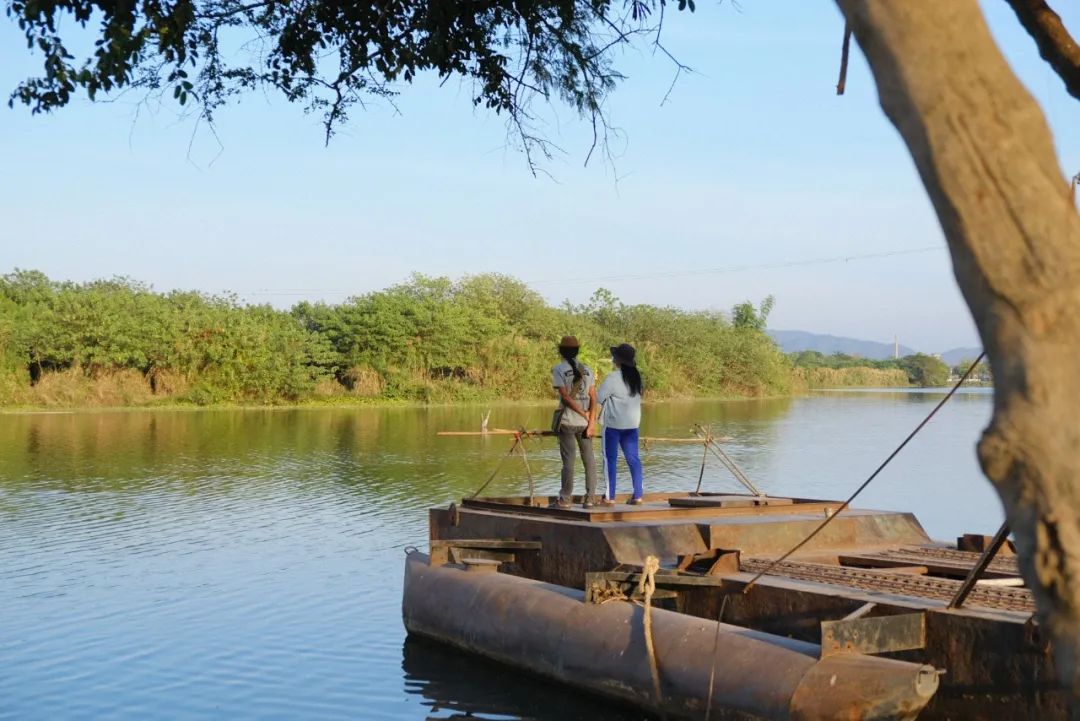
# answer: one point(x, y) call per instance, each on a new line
point(562, 504)
point(635, 501)
point(587, 504)
point(602, 501)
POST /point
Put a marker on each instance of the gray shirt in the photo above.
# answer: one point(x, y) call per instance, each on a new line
point(562, 376)
point(621, 410)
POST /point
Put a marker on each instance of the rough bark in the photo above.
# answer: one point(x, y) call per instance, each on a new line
point(986, 157)
point(1056, 45)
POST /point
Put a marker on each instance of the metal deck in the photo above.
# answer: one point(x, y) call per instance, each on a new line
point(903, 584)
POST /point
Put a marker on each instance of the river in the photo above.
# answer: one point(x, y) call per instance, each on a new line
point(247, 564)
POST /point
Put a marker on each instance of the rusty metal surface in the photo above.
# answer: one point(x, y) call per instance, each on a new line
point(879, 634)
point(938, 589)
point(1001, 564)
point(934, 557)
point(839, 689)
point(853, 529)
point(706, 500)
point(992, 671)
point(601, 648)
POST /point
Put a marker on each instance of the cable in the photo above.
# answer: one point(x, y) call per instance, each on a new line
point(741, 268)
point(648, 276)
point(873, 475)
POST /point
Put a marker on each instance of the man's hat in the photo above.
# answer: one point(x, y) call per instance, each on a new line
point(569, 341)
point(624, 353)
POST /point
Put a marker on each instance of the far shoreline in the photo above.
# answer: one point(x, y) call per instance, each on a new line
point(356, 403)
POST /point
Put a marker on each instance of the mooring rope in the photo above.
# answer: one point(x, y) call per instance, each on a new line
point(646, 587)
point(873, 475)
point(704, 457)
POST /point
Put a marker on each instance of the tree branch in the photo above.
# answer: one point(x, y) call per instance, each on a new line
point(1056, 45)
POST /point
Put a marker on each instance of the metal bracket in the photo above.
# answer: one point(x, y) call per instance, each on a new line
point(881, 634)
point(980, 566)
point(496, 549)
point(599, 585)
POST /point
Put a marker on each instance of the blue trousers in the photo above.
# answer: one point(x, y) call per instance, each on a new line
point(627, 439)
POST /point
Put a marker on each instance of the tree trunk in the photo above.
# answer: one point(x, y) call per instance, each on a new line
point(987, 160)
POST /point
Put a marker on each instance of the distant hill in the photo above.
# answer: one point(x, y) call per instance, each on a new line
point(954, 356)
point(791, 341)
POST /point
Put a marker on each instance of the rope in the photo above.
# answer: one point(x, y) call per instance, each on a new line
point(873, 475)
point(704, 457)
point(646, 587)
point(517, 440)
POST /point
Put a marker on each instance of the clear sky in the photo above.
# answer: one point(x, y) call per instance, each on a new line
point(752, 163)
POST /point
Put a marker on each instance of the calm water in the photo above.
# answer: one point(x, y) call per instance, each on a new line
point(247, 564)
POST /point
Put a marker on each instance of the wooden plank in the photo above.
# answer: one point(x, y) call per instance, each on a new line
point(1001, 582)
point(934, 567)
point(884, 634)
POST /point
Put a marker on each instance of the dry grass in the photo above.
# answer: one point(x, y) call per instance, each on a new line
point(169, 384)
point(851, 377)
point(73, 387)
point(362, 381)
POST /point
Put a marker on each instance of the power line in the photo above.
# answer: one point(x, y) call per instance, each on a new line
point(651, 276)
point(741, 268)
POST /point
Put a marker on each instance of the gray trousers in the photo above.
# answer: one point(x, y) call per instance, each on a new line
point(568, 438)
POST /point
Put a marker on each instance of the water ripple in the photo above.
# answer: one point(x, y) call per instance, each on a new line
point(248, 565)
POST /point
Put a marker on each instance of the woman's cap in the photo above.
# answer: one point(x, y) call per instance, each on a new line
point(569, 341)
point(623, 353)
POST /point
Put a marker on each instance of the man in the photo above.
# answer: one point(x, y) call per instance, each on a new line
point(576, 420)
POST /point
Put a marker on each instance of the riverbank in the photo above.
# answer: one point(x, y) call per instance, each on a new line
point(345, 402)
point(481, 339)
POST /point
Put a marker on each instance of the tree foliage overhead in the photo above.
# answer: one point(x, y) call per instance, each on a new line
point(330, 55)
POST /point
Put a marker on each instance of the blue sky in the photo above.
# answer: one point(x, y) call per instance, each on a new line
point(752, 162)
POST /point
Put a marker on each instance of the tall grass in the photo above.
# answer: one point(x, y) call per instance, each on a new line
point(851, 377)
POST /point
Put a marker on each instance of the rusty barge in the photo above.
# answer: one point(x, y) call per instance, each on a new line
point(861, 623)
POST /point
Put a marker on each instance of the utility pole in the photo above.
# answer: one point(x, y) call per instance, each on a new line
point(896, 347)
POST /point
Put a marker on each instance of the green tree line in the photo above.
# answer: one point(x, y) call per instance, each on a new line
point(921, 369)
point(118, 342)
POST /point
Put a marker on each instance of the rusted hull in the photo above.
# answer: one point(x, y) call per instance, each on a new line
point(548, 630)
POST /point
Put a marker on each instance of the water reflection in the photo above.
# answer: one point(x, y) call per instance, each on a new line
point(455, 685)
point(247, 564)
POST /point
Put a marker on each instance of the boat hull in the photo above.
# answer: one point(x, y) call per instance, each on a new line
point(547, 629)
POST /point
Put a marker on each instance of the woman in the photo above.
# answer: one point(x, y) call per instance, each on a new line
point(575, 421)
point(620, 396)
